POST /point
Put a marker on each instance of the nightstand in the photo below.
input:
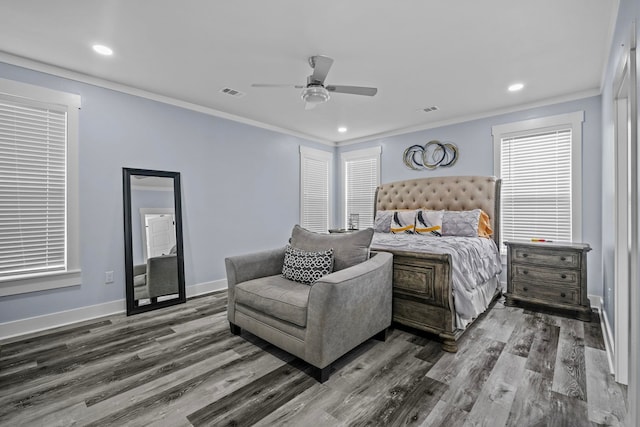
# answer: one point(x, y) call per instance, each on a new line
point(550, 275)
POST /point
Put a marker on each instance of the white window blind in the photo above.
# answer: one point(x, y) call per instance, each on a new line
point(536, 172)
point(361, 178)
point(540, 163)
point(32, 189)
point(314, 185)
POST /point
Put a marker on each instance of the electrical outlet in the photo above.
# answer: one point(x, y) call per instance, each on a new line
point(108, 277)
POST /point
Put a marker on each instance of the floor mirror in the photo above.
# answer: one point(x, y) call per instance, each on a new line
point(154, 258)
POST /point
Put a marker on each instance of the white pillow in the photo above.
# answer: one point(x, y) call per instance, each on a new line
point(403, 222)
point(429, 222)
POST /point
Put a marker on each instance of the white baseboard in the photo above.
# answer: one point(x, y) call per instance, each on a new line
point(67, 317)
point(597, 303)
point(206, 287)
point(60, 318)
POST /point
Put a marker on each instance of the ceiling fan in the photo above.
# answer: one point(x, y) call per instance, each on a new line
point(315, 92)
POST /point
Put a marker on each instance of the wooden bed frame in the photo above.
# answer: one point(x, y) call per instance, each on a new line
point(422, 286)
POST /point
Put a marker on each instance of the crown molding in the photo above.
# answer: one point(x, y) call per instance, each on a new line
point(462, 119)
point(129, 90)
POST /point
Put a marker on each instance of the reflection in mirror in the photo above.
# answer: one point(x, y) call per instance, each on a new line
point(153, 239)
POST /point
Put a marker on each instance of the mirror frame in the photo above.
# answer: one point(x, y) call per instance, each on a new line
point(132, 308)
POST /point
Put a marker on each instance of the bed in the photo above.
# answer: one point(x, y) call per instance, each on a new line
point(423, 278)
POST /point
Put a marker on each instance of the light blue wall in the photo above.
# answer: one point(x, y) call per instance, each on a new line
point(628, 11)
point(475, 147)
point(240, 188)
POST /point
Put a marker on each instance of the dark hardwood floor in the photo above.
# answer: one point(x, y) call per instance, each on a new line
point(181, 366)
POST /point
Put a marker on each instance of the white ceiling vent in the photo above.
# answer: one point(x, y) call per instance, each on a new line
point(430, 109)
point(232, 92)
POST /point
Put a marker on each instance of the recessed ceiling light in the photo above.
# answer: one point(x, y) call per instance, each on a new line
point(342, 129)
point(102, 49)
point(515, 87)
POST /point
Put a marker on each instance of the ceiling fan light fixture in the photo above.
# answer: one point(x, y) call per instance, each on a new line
point(315, 95)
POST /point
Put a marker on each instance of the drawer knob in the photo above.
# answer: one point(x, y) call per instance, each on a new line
point(525, 255)
point(563, 295)
point(525, 272)
point(525, 289)
point(563, 258)
point(564, 276)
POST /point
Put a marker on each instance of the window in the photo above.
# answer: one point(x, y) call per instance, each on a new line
point(540, 163)
point(315, 168)
point(361, 174)
point(38, 179)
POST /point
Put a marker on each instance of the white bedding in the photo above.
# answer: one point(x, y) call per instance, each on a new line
point(475, 267)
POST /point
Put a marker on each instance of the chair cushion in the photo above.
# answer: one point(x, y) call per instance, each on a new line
point(277, 297)
point(349, 249)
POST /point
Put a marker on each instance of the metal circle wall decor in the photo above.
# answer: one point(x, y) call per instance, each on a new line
point(430, 156)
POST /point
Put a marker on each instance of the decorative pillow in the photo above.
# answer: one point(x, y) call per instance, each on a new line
point(349, 249)
point(429, 222)
point(403, 222)
point(306, 267)
point(382, 222)
point(461, 223)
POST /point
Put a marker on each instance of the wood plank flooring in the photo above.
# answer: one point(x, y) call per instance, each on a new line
point(180, 366)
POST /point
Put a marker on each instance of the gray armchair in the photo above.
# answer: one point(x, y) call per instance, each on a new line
point(317, 323)
point(156, 278)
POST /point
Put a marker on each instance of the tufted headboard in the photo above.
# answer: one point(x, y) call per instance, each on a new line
point(452, 193)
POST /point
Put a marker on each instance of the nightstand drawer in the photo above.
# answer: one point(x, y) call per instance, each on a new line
point(552, 294)
point(530, 273)
point(546, 257)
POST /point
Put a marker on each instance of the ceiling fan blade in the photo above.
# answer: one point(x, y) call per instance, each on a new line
point(321, 66)
point(276, 85)
point(354, 90)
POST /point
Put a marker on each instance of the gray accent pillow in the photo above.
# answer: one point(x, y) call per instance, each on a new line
point(461, 223)
point(306, 267)
point(382, 222)
point(349, 249)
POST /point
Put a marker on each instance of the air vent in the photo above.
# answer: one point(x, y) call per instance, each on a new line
point(430, 109)
point(232, 92)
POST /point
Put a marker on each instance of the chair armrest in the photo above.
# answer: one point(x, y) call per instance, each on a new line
point(348, 307)
point(139, 269)
point(241, 268)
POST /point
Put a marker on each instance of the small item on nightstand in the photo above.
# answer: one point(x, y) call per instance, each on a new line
point(354, 221)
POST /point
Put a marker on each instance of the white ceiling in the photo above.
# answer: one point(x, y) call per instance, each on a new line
point(458, 55)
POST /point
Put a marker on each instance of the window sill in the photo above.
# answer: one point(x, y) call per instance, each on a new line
point(40, 282)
